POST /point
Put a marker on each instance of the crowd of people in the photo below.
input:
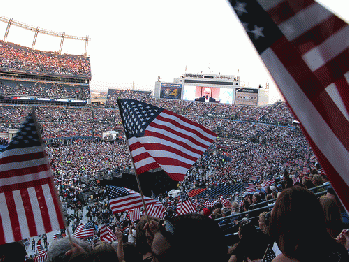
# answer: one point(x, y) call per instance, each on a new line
point(18, 58)
point(258, 149)
point(44, 89)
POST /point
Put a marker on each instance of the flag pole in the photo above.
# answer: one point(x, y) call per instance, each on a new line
point(139, 184)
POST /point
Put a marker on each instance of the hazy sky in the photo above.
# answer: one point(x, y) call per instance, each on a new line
point(137, 41)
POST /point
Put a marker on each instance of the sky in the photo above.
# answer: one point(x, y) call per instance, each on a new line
point(134, 42)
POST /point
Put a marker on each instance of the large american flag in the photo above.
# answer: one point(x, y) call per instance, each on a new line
point(122, 199)
point(159, 138)
point(305, 48)
point(28, 202)
point(106, 234)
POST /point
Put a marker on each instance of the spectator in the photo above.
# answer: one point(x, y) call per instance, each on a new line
point(61, 249)
point(188, 238)
point(298, 224)
point(333, 217)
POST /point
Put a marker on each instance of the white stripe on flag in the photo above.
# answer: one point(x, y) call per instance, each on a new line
point(25, 178)
point(156, 140)
point(337, 99)
point(22, 218)
point(20, 151)
point(50, 206)
point(269, 4)
point(5, 217)
point(329, 49)
point(24, 164)
point(316, 127)
point(36, 211)
point(297, 25)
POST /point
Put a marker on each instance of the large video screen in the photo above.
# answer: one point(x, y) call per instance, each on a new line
point(171, 91)
point(247, 96)
point(208, 94)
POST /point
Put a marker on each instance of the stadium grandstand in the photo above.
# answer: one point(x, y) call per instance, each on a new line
point(260, 151)
point(32, 76)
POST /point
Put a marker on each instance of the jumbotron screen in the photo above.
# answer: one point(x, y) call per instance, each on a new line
point(203, 94)
point(171, 91)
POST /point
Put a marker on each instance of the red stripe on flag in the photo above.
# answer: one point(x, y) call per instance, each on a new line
point(19, 186)
point(2, 232)
point(287, 9)
point(21, 158)
point(57, 204)
point(171, 132)
point(164, 147)
point(334, 69)
point(167, 161)
point(28, 212)
point(11, 206)
point(343, 90)
point(43, 209)
point(24, 171)
point(318, 34)
point(312, 88)
point(192, 124)
point(147, 167)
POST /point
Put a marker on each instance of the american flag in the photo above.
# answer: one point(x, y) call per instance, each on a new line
point(305, 48)
point(84, 231)
point(38, 247)
point(156, 211)
point(134, 214)
point(159, 138)
point(106, 234)
point(225, 202)
point(41, 257)
point(208, 203)
point(269, 183)
point(185, 206)
point(28, 202)
point(122, 199)
point(251, 188)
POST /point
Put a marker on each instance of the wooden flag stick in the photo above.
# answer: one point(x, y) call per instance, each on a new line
point(139, 185)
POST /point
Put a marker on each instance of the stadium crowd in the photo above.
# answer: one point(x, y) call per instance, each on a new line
point(44, 89)
point(18, 58)
point(259, 154)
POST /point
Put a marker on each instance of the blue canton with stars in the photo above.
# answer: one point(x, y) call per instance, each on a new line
point(27, 136)
point(259, 26)
point(136, 116)
point(114, 192)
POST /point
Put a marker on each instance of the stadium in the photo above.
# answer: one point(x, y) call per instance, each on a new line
point(260, 152)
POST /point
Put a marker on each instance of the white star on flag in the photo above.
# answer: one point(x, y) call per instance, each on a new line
point(257, 31)
point(240, 8)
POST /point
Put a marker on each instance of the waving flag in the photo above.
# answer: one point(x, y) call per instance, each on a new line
point(134, 214)
point(305, 48)
point(106, 234)
point(84, 231)
point(156, 211)
point(28, 202)
point(159, 138)
point(122, 199)
point(41, 257)
point(185, 206)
